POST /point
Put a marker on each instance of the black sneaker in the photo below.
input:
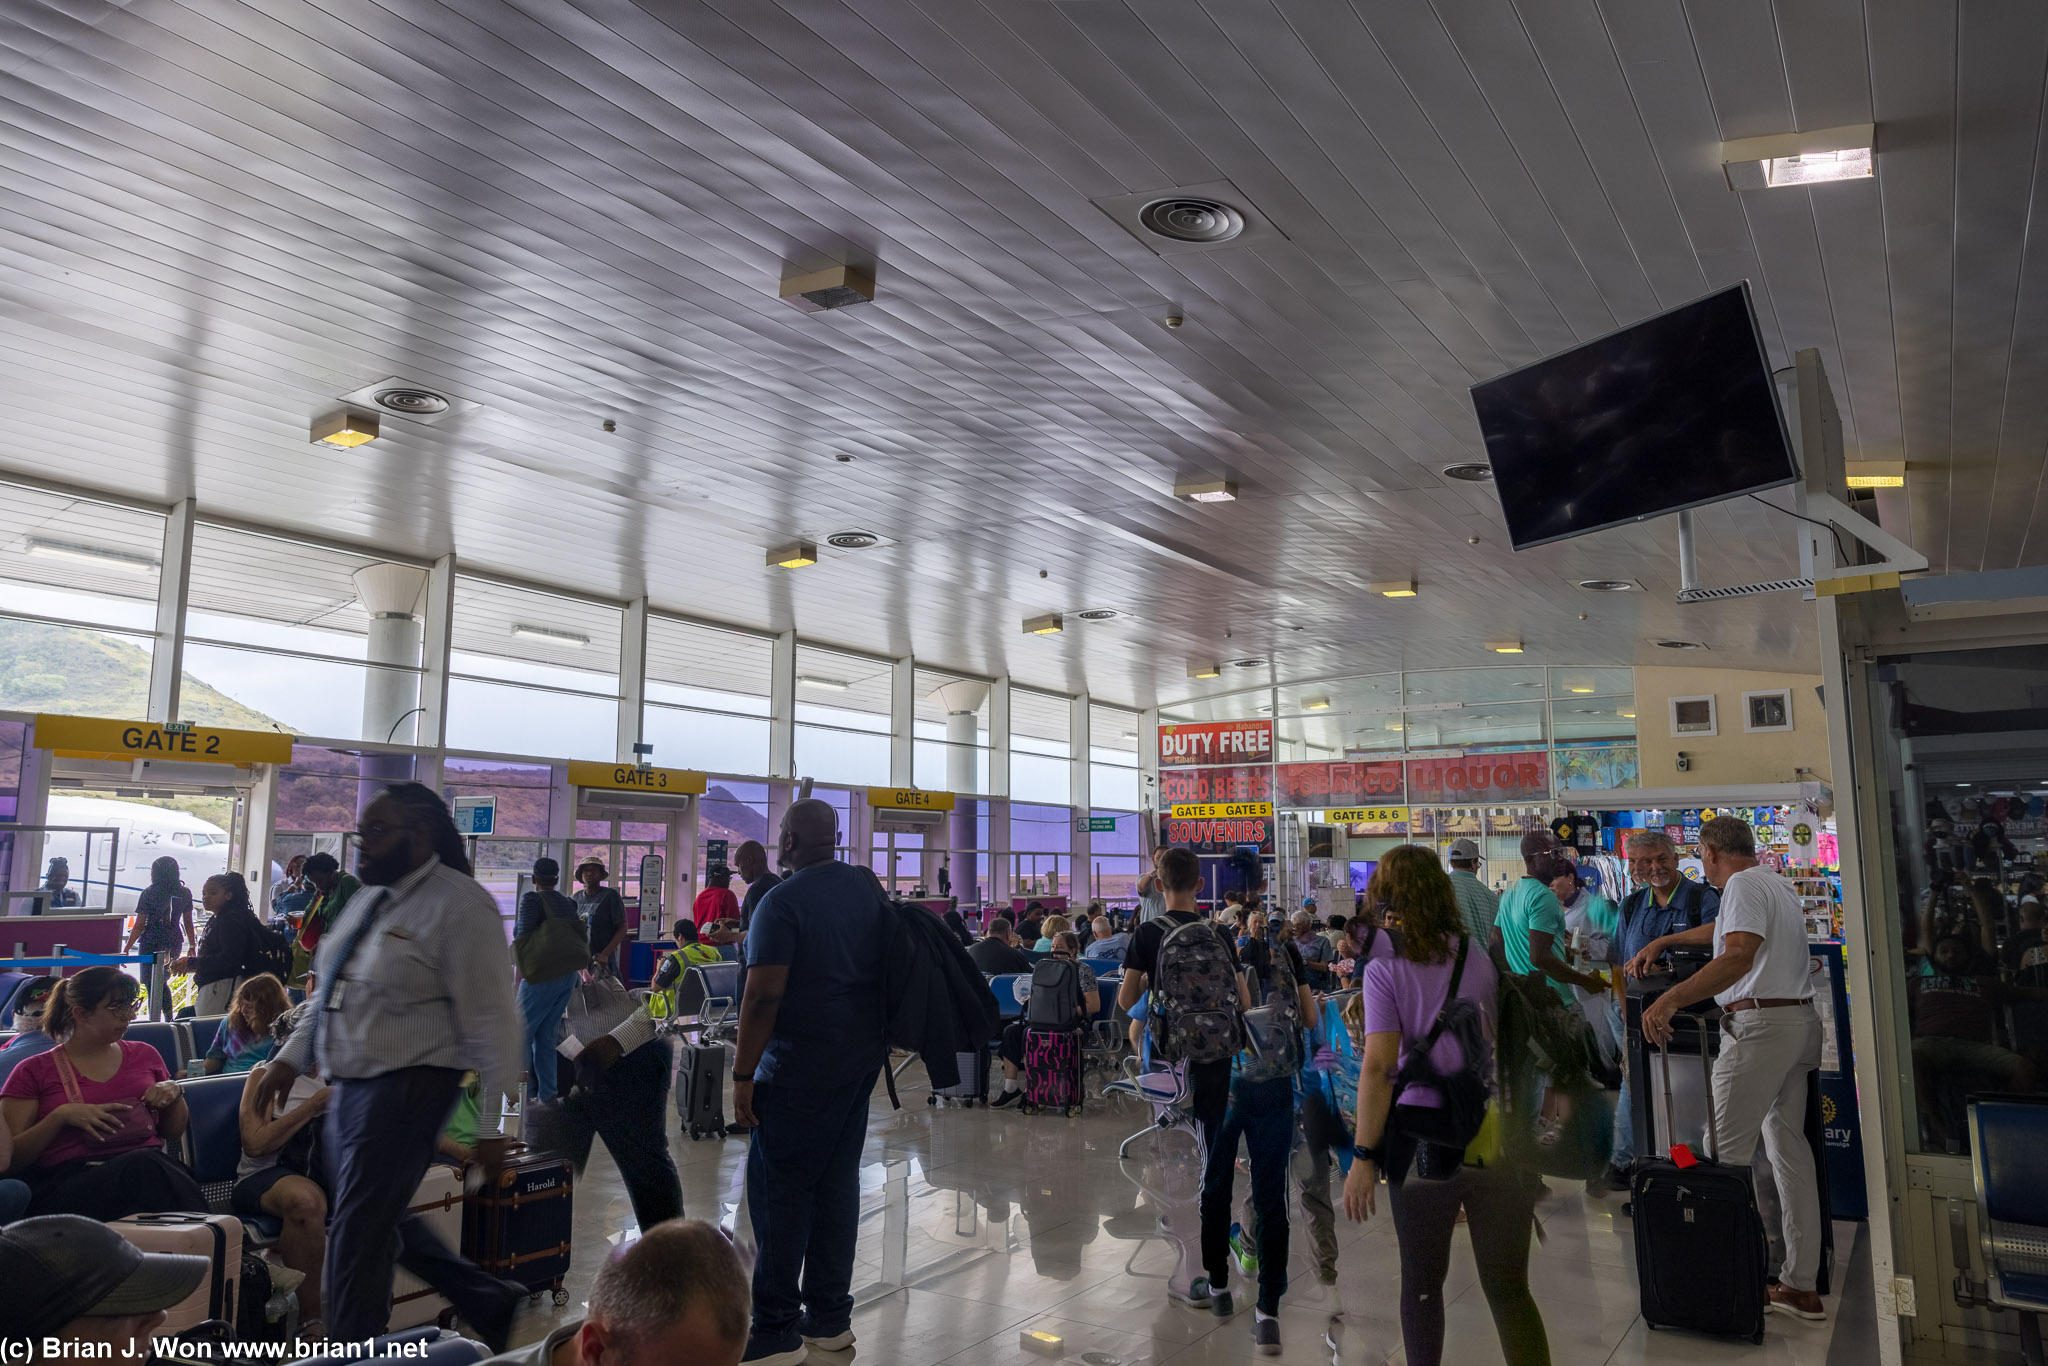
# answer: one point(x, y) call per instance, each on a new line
point(1007, 1098)
point(1220, 1303)
point(1616, 1179)
point(1266, 1336)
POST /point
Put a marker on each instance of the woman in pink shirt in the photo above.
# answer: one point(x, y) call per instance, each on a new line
point(89, 1117)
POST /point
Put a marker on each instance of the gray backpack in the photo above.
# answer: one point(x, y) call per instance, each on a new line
point(1055, 994)
point(1194, 1012)
point(1274, 1046)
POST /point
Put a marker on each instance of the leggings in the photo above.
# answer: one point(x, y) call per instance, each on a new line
point(1500, 1205)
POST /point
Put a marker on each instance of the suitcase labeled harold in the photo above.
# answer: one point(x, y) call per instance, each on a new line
point(1700, 1249)
point(1052, 1071)
point(215, 1236)
point(519, 1228)
point(700, 1089)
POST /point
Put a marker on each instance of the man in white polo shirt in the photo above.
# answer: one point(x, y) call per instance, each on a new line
point(1770, 1037)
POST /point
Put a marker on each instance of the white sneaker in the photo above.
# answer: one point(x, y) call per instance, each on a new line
point(838, 1342)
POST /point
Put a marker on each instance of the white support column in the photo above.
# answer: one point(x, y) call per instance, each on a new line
point(903, 723)
point(999, 737)
point(632, 678)
point(32, 807)
point(782, 707)
point(260, 826)
point(562, 821)
point(1081, 878)
point(435, 642)
point(1148, 781)
point(167, 655)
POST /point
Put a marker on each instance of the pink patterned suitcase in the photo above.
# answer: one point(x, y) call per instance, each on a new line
point(1052, 1070)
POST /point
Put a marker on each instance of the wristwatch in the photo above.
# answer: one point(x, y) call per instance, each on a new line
point(1361, 1153)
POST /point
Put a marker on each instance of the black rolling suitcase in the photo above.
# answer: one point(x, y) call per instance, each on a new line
point(700, 1089)
point(1700, 1249)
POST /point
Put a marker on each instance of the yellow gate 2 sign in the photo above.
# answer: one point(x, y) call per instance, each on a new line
point(1367, 815)
point(1219, 811)
point(908, 799)
point(632, 778)
point(93, 737)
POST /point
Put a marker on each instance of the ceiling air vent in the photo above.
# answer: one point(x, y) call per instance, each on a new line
point(853, 540)
point(1470, 472)
point(1607, 585)
point(410, 402)
point(408, 398)
point(1191, 218)
point(1098, 614)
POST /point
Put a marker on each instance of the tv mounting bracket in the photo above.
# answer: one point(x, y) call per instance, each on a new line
point(1823, 578)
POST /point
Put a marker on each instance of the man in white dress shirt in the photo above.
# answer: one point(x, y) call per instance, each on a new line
point(414, 989)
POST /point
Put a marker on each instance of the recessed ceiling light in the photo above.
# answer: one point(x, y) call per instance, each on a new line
point(1395, 588)
point(1582, 691)
point(345, 430)
point(122, 560)
point(1875, 474)
point(1205, 671)
point(1315, 704)
point(1680, 645)
point(1531, 685)
point(1505, 647)
point(1811, 158)
point(1607, 585)
point(1206, 490)
point(1470, 472)
point(1098, 614)
point(833, 287)
point(1626, 715)
point(1048, 625)
point(826, 684)
point(567, 639)
point(795, 555)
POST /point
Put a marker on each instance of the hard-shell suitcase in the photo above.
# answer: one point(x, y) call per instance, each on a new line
point(973, 1087)
point(438, 1200)
point(1052, 1070)
point(700, 1089)
point(520, 1228)
point(215, 1236)
point(1700, 1249)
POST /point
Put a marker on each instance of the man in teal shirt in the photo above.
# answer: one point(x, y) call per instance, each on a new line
point(1477, 905)
point(1531, 925)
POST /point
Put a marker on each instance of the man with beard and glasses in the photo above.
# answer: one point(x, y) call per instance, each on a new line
point(412, 991)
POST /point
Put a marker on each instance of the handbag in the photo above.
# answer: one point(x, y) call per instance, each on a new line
point(597, 1005)
point(554, 948)
point(138, 1121)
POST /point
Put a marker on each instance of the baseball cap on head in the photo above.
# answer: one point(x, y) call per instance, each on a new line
point(80, 1267)
point(1464, 851)
point(1537, 842)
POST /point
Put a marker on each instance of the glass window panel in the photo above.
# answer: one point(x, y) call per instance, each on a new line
point(1114, 785)
point(502, 718)
point(323, 789)
point(1034, 778)
point(1041, 829)
point(73, 669)
point(838, 689)
point(1593, 718)
point(735, 813)
point(1041, 722)
point(1233, 706)
point(1112, 735)
point(1125, 839)
point(705, 740)
point(255, 690)
point(1567, 683)
point(273, 592)
point(77, 560)
point(524, 636)
point(1478, 726)
point(1365, 695)
point(523, 792)
point(1474, 685)
point(940, 767)
point(708, 667)
point(840, 756)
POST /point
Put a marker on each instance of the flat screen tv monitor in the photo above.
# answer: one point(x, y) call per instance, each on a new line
point(1674, 412)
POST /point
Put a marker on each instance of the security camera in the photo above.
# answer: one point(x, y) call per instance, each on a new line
point(1684, 761)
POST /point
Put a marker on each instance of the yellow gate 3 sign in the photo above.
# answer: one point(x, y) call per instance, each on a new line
point(632, 778)
point(94, 737)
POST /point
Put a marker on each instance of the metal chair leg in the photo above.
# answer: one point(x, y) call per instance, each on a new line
point(2030, 1338)
point(1125, 1149)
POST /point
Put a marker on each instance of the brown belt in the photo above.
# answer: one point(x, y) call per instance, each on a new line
point(1762, 1002)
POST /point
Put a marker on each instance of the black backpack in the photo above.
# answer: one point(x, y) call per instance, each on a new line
point(1055, 994)
point(270, 950)
point(1464, 1090)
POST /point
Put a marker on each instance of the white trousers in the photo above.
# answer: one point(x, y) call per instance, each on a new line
point(1760, 1093)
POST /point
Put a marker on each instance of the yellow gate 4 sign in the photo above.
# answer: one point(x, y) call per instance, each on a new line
point(1368, 815)
point(908, 799)
point(1219, 811)
point(93, 737)
point(631, 778)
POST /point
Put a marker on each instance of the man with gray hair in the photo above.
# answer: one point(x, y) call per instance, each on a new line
point(1663, 903)
point(676, 1293)
point(810, 1049)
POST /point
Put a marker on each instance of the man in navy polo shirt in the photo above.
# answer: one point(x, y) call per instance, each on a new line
point(1662, 903)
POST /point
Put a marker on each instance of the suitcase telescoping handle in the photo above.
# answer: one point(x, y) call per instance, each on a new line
point(1707, 1071)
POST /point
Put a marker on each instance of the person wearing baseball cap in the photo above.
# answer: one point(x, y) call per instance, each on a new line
point(82, 1284)
point(1477, 904)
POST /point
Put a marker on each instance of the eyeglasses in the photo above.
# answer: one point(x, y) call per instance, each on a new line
point(372, 830)
point(131, 1006)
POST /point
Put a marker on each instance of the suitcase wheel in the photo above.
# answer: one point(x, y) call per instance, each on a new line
point(931, 1100)
point(561, 1296)
point(1028, 1108)
point(1073, 1112)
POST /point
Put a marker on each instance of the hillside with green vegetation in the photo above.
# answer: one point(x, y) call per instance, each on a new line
point(79, 672)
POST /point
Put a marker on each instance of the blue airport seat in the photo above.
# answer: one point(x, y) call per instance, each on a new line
point(213, 1147)
point(199, 1034)
point(165, 1037)
point(1005, 989)
point(2007, 1136)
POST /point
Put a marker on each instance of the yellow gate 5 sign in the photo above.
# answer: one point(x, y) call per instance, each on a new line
point(1368, 815)
point(93, 737)
point(1220, 811)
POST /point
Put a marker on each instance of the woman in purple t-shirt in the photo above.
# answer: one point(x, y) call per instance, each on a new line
point(1403, 995)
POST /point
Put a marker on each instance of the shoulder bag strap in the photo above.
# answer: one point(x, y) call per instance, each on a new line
point(1428, 1044)
point(67, 1076)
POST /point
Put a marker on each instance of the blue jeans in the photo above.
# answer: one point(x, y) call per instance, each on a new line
point(1624, 1106)
point(540, 1010)
point(1261, 1113)
point(803, 1189)
point(14, 1198)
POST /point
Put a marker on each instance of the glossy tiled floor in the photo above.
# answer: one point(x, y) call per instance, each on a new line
point(978, 1224)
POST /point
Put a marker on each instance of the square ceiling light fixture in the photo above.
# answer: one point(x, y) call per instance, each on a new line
point(1048, 625)
point(1801, 158)
point(1206, 490)
point(1315, 704)
point(1876, 474)
point(1395, 588)
point(833, 287)
point(795, 555)
point(1205, 671)
point(345, 430)
point(1505, 647)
